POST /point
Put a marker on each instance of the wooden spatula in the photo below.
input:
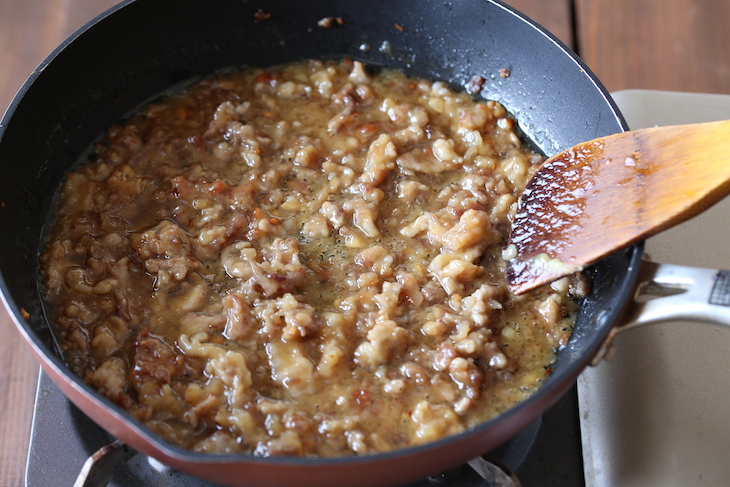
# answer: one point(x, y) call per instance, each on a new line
point(605, 194)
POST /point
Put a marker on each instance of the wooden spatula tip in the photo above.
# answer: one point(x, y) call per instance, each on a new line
point(525, 274)
point(602, 195)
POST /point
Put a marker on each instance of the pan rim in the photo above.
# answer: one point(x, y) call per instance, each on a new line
point(173, 451)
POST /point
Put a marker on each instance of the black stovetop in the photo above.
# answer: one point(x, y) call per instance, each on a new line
point(547, 454)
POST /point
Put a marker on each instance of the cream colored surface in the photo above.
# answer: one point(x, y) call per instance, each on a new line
point(659, 413)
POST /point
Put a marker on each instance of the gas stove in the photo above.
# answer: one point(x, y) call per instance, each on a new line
point(546, 454)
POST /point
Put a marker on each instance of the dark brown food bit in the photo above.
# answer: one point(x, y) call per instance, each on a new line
point(361, 397)
point(328, 22)
point(261, 15)
point(475, 84)
point(154, 361)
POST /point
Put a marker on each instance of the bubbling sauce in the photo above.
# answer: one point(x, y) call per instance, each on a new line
point(302, 260)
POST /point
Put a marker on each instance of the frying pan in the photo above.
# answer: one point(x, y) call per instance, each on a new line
point(140, 48)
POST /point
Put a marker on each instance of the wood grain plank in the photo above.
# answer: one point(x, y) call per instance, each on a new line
point(20, 373)
point(681, 45)
point(29, 31)
point(553, 15)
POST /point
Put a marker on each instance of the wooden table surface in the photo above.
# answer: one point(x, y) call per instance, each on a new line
point(680, 45)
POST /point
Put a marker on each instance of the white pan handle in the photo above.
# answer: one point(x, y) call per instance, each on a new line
point(668, 292)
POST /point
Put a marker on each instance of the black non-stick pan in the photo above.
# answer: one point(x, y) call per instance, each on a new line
point(141, 48)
